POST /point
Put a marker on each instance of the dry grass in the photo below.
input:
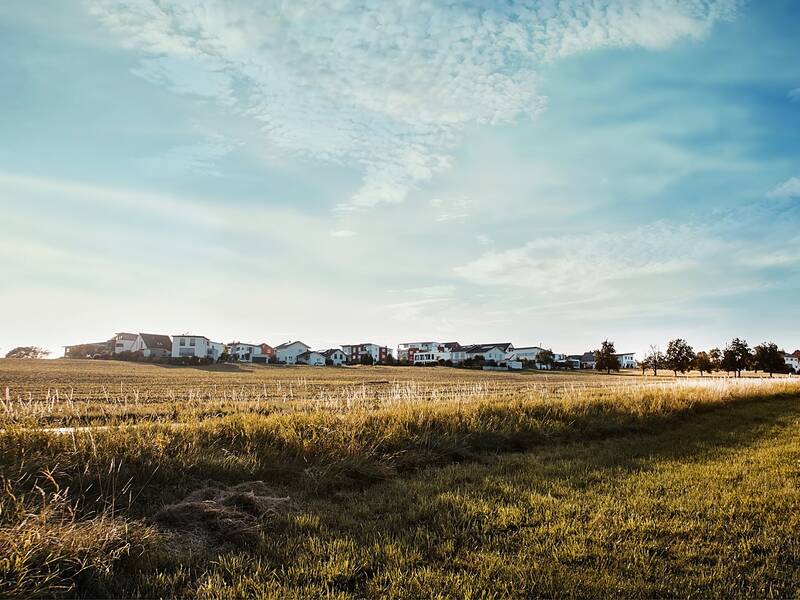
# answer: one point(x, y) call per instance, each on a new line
point(174, 477)
point(69, 393)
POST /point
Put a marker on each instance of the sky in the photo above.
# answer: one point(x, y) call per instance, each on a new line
point(547, 172)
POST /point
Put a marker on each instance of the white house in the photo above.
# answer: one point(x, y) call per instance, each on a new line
point(287, 353)
point(244, 352)
point(495, 352)
point(336, 356)
point(311, 357)
point(152, 345)
point(354, 352)
point(196, 345)
point(529, 353)
point(406, 350)
point(123, 342)
point(427, 358)
point(792, 361)
point(627, 360)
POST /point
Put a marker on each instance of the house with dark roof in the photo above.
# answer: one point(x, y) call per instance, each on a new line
point(311, 357)
point(152, 345)
point(288, 352)
point(792, 361)
point(335, 356)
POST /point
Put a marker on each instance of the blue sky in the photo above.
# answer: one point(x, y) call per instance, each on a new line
point(346, 171)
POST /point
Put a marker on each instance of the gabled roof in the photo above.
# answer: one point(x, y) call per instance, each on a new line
point(361, 344)
point(330, 352)
point(307, 354)
point(482, 348)
point(187, 335)
point(588, 356)
point(155, 340)
point(131, 337)
point(529, 348)
point(287, 344)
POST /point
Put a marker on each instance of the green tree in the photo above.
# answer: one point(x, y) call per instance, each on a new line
point(605, 358)
point(715, 356)
point(546, 358)
point(703, 363)
point(736, 357)
point(679, 356)
point(28, 352)
point(768, 358)
point(366, 359)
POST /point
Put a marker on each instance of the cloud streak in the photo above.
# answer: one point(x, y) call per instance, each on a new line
point(384, 87)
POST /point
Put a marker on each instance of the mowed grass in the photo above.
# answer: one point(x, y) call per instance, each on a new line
point(534, 490)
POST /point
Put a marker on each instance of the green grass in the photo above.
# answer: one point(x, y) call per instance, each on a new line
point(710, 508)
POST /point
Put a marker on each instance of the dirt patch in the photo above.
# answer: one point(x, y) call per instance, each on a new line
point(232, 515)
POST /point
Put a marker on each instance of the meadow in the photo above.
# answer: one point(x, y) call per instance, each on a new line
point(139, 480)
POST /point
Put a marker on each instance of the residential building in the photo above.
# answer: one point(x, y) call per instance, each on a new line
point(529, 353)
point(496, 352)
point(267, 351)
point(588, 361)
point(242, 352)
point(627, 360)
point(152, 345)
point(335, 356)
point(123, 342)
point(430, 357)
point(354, 352)
point(792, 361)
point(406, 350)
point(198, 346)
point(574, 360)
point(311, 357)
point(288, 352)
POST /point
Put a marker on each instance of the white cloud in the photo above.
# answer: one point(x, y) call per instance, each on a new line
point(385, 87)
point(788, 189)
point(590, 264)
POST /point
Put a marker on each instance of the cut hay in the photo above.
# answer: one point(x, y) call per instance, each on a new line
point(234, 515)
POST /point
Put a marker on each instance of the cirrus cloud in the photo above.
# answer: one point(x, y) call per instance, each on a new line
point(383, 87)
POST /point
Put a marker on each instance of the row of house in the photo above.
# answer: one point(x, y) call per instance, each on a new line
point(503, 353)
point(185, 345)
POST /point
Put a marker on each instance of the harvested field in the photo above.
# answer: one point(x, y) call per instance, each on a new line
point(365, 482)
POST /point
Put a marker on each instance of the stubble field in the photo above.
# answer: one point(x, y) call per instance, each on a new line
point(143, 480)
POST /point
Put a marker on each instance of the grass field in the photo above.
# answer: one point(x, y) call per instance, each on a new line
point(297, 482)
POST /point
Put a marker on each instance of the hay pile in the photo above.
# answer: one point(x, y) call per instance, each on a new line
point(232, 515)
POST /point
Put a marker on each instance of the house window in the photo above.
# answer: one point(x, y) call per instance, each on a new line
point(183, 342)
point(191, 342)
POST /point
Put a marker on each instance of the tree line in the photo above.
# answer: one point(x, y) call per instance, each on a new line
point(680, 357)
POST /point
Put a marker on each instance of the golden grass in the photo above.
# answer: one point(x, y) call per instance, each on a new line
point(337, 431)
